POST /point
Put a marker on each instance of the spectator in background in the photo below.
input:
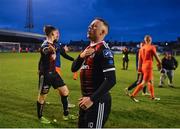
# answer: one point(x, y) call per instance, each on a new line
point(27, 49)
point(13, 49)
point(20, 49)
point(169, 64)
point(125, 58)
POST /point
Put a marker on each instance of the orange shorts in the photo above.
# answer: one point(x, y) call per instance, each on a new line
point(147, 74)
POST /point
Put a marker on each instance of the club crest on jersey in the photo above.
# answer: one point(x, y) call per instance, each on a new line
point(111, 62)
point(107, 53)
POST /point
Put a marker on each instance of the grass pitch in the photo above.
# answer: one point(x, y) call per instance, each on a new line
point(19, 89)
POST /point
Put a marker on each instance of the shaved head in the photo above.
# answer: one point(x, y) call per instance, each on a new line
point(97, 30)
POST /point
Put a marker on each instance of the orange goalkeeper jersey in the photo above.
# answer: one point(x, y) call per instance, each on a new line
point(146, 56)
point(146, 61)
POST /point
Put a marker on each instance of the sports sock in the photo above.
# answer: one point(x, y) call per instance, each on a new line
point(151, 89)
point(132, 85)
point(144, 89)
point(39, 109)
point(64, 100)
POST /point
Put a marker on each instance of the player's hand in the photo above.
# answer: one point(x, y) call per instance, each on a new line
point(159, 66)
point(139, 70)
point(52, 49)
point(66, 48)
point(85, 103)
point(87, 52)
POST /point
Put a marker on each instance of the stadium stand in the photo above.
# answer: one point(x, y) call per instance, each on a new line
point(28, 41)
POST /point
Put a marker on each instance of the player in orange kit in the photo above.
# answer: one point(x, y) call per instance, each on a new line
point(147, 52)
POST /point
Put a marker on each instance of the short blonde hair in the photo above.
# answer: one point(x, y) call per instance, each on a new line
point(147, 36)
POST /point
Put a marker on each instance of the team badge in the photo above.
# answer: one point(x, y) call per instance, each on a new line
point(107, 53)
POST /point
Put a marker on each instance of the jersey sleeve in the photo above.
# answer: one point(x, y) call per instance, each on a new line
point(175, 62)
point(77, 63)
point(107, 60)
point(109, 75)
point(45, 49)
point(154, 50)
point(65, 55)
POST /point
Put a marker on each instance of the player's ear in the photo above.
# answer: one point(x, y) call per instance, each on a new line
point(103, 32)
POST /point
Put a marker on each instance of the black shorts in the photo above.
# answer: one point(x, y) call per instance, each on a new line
point(97, 115)
point(49, 79)
point(125, 60)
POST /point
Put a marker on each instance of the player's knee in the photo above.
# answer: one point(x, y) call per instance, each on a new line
point(63, 91)
point(44, 91)
point(163, 71)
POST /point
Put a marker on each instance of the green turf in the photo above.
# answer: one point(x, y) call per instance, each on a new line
point(18, 94)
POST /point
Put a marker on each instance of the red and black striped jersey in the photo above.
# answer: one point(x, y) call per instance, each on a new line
point(47, 59)
point(93, 68)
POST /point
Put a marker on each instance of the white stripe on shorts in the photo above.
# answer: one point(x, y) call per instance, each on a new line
point(100, 116)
